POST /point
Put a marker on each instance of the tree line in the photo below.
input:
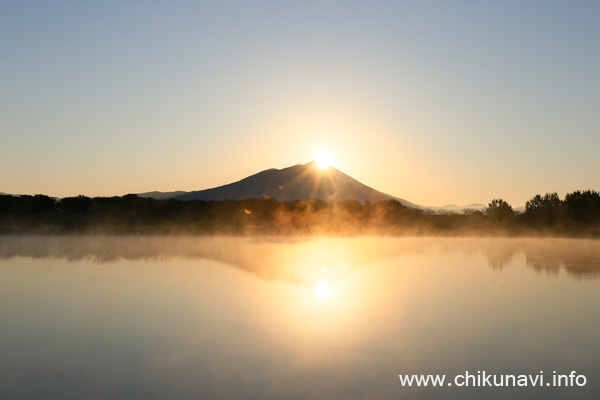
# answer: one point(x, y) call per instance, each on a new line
point(578, 214)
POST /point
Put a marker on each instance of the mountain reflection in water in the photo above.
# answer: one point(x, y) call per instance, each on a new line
point(300, 260)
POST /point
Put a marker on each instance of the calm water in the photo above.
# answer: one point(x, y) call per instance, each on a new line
point(232, 318)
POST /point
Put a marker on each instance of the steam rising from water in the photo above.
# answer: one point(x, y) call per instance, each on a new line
point(304, 260)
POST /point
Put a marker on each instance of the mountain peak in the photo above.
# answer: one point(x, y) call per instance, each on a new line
point(298, 182)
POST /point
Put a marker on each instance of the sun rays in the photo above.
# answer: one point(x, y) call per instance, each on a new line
point(323, 159)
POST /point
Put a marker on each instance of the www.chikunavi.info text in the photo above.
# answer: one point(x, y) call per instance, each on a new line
point(483, 379)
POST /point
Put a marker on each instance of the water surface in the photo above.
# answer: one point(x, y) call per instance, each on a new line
point(273, 318)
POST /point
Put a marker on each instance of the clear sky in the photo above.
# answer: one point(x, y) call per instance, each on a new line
point(436, 102)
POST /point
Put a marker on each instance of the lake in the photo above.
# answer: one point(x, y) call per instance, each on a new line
point(297, 318)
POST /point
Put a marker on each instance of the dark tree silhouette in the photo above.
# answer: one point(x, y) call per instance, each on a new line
point(37, 204)
point(583, 207)
point(499, 208)
point(539, 204)
point(543, 210)
point(75, 205)
point(577, 215)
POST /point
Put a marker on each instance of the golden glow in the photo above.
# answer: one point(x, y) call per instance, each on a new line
point(322, 289)
point(323, 159)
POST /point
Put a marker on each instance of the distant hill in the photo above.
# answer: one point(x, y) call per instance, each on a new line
point(520, 209)
point(298, 182)
point(162, 195)
point(455, 208)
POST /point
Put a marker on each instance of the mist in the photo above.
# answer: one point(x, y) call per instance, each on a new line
point(578, 215)
point(298, 259)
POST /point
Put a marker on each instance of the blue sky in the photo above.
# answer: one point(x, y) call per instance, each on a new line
point(435, 102)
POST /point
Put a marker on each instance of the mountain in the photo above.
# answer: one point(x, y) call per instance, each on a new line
point(298, 182)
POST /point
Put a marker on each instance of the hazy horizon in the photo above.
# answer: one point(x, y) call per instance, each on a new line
point(437, 103)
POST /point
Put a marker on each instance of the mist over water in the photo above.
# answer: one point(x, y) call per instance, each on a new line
point(292, 318)
point(279, 257)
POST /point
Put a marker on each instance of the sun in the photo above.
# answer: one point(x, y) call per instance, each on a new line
point(323, 159)
point(322, 289)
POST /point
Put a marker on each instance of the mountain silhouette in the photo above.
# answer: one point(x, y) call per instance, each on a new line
point(298, 182)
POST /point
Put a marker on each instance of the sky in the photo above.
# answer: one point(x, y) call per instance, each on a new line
point(435, 102)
